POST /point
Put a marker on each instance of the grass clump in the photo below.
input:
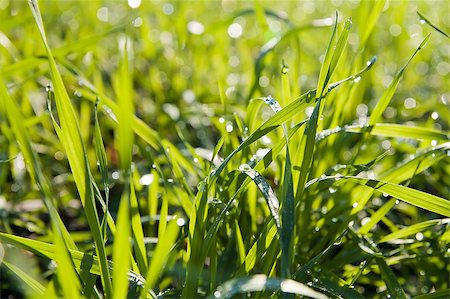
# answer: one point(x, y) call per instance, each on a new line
point(191, 150)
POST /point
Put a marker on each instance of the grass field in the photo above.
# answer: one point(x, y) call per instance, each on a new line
point(224, 149)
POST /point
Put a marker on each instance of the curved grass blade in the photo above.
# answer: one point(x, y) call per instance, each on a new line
point(257, 283)
point(425, 20)
point(76, 154)
point(266, 190)
point(413, 229)
point(389, 92)
point(411, 196)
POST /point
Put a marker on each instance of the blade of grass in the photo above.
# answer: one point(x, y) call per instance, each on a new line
point(393, 286)
point(413, 229)
point(102, 163)
point(137, 231)
point(76, 154)
point(423, 19)
point(257, 283)
point(121, 249)
point(37, 288)
point(389, 92)
point(124, 91)
point(160, 256)
point(414, 197)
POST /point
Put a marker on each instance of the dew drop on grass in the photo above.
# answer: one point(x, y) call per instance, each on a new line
point(422, 21)
point(434, 142)
point(181, 221)
point(284, 69)
point(434, 115)
point(146, 179)
point(154, 166)
point(195, 160)
point(78, 94)
point(334, 220)
point(217, 294)
point(397, 202)
point(357, 79)
point(419, 236)
point(332, 190)
point(170, 181)
point(355, 205)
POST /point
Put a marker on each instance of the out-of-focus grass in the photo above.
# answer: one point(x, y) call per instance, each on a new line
point(152, 195)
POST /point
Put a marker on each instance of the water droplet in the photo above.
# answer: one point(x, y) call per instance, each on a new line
point(362, 265)
point(397, 202)
point(434, 115)
point(321, 117)
point(284, 69)
point(181, 221)
point(146, 179)
point(154, 166)
point(78, 94)
point(419, 236)
point(422, 21)
point(357, 79)
point(170, 181)
point(334, 220)
point(332, 190)
point(217, 294)
point(221, 120)
point(48, 88)
point(229, 127)
point(195, 160)
point(355, 205)
point(434, 142)
point(315, 280)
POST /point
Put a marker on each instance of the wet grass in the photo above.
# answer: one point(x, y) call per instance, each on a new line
point(224, 150)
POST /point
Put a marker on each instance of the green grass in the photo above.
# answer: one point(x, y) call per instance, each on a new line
point(224, 150)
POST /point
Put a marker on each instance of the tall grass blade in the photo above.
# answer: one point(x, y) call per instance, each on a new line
point(389, 92)
point(102, 163)
point(137, 231)
point(160, 256)
point(121, 249)
point(76, 154)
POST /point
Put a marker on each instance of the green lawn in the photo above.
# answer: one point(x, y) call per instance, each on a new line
point(224, 149)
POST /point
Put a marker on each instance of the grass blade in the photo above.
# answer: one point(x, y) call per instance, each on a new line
point(414, 197)
point(394, 288)
point(121, 249)
point(257, 283)
point(76, 154)
point(413, 229)
point(425, 20)
point(389, 92)
point(160, 256)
